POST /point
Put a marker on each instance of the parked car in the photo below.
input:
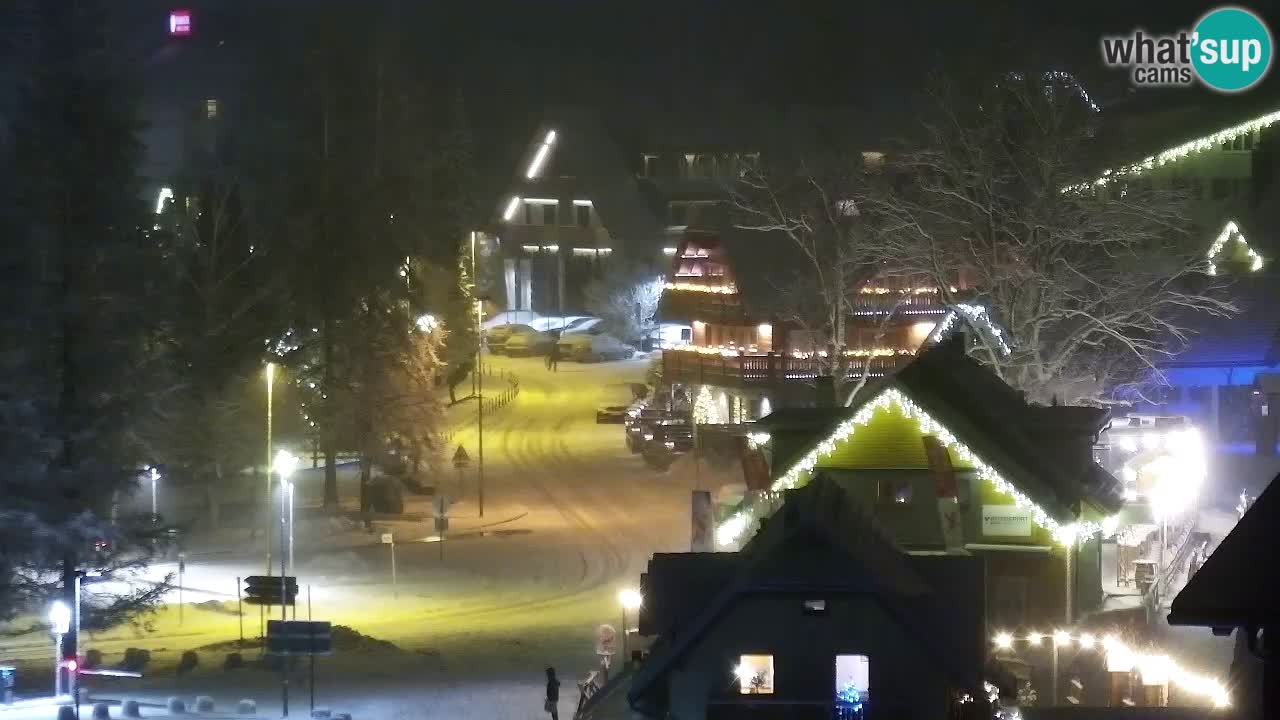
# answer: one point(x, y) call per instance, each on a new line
point(587, 347)
point(669, 439)
point(497, 336)
point(583, 325)
point(612, 414)
point(528, 342)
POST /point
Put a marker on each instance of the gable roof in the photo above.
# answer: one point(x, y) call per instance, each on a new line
point(1239, 584)
point(1040, 456)
point(824, 513)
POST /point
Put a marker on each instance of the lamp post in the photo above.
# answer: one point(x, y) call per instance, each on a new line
point(271, 371)
point(59, 624)
point(154, 476)
point(629, 599)
point(475, 283)
point(283, 465)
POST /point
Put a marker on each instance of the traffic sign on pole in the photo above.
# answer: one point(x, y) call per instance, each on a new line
point(441, 505)
point(267, 590)
point(299, 637)
point(460, 458)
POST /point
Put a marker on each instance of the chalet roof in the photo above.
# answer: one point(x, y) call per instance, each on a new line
point(1239, 584)
point(1044, 451)
point(822, 514)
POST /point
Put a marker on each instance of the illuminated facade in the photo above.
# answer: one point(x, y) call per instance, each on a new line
point(725, 286)
point(947, 458)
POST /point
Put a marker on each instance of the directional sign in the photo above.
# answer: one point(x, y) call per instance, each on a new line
point(441, 505)
point(460, 458)
point(302, 637)
point(267, 590)
point(442, 524)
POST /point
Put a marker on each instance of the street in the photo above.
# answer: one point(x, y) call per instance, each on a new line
point(571, 518)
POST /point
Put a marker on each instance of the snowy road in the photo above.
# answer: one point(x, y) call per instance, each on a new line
point(581, 516)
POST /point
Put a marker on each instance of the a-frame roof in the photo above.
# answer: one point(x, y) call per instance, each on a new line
point(1023, 450)
point(1239, 585)
point(950, 630)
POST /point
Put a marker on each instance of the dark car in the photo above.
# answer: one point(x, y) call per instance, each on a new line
point(669, 439)
point(612, 414)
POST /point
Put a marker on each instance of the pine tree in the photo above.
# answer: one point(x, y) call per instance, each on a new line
point(76, 267)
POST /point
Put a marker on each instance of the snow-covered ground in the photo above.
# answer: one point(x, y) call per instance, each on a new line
point(571, 517)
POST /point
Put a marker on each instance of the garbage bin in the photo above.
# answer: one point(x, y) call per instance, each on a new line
point(8, 675)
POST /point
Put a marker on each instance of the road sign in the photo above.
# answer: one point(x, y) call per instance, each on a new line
point(266, 590)
point(387, 539)
point(460, 458)
point(441, 505)
point(442, 524)
point(299, 637)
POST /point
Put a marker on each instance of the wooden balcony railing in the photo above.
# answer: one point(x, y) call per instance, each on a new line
point(763, 369)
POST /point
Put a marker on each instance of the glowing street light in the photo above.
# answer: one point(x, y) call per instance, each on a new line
point(59, 625)
point(271, 372)
point(284, 464)
point(1004, 640)
point(629, 599)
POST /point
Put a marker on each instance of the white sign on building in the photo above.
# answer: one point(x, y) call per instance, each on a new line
point(1006, 521)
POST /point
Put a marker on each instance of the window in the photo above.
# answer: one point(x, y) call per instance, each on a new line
point(1009, 600)
point(649, 166)
point(211, 108)
point(872, 160)
point(551, 214)
point(528, 214)
point(853, 684)
point(895, 492)
point(584, 215)
point(755, 674)
point(1244, 142)
point(815, 607)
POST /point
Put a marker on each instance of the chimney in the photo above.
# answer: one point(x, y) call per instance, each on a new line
point(824, 387)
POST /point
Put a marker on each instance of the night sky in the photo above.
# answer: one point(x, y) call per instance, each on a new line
point(516, 58)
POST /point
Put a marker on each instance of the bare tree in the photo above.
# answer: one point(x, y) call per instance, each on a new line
point(625, 298)
point(1093, 285)
point(813, 198)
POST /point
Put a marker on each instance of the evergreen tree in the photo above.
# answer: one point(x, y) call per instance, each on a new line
point(76, 266)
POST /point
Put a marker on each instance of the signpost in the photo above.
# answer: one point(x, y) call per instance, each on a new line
point(390, 541)
point(441, 507)
point(461, 461)
point(606, 644)
point(298, 637)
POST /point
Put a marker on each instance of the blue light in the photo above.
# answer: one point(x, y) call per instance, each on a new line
point(848, 702)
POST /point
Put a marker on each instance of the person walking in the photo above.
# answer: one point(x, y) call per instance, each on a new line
point(552, 704)
point(553, 358)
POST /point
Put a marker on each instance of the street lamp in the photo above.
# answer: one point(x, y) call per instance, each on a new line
point(154, 476)
point(629, 599)
point(271, 371)
point(284, 464)
point(59, 625)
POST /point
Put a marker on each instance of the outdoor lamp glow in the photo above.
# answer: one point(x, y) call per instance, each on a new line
point(59, 618)
point(630, 599)
point(284, 464)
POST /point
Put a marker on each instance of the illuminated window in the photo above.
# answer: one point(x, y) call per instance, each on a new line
point(211, 108)
point(815, 607)
point(873, 160)
point(853, 684)
point(894, 492)
point(180, 23)
point(755, 674)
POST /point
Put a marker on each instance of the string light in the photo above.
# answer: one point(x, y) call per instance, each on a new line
point(1155, 668)
point(976, 315)
point(1064, 533)
point(1178, 152)
point(758, 439)
point(729, 289)
point(1228, 231)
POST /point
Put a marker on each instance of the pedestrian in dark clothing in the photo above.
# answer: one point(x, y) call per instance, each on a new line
point(553, 358)
point(553, 694)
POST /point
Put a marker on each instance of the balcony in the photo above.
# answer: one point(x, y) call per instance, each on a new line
point(762, 370)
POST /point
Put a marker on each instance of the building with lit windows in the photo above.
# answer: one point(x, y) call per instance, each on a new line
point(948, 458)
point(1223, 152)
point(819, 615)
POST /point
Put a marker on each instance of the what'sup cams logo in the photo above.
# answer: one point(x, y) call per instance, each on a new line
point(1229, 50)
